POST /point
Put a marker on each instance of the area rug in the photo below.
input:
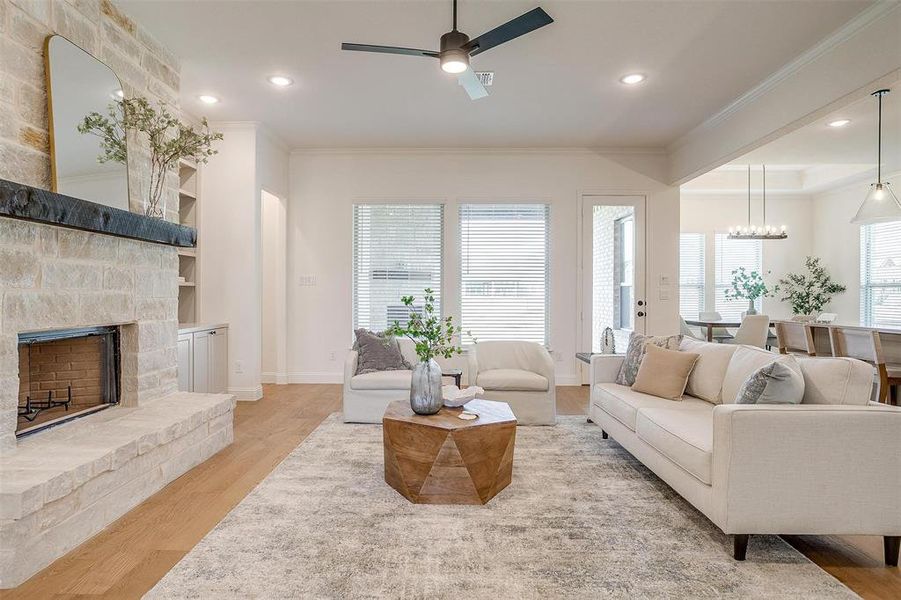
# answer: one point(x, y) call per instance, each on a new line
point(581, 519)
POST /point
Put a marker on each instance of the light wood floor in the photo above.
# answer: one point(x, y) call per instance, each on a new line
point(136, 551)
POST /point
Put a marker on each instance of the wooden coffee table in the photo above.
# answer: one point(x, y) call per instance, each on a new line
point(440, 459)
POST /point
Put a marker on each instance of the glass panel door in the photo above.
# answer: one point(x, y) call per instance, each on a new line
point(613, 270)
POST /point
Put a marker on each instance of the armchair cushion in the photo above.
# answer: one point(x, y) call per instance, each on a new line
point(382, 380)
point(511, 380)
point(377, 352)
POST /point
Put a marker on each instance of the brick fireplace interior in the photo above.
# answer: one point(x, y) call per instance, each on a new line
point(65, 374)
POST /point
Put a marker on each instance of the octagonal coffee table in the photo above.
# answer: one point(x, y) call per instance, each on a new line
point(441, 459)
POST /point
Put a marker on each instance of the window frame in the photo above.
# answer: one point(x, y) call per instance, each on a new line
point(867, 288)
point(701, 287)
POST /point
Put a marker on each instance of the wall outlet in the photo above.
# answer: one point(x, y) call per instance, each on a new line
point(306, 280)
point(331, 356)
point(239, 366)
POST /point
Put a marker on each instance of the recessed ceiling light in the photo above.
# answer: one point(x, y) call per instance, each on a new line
point(839, 123)
point(280, 81)
point(207, 99)
point(632, 78)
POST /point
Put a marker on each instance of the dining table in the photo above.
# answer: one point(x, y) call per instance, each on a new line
point(710, 324)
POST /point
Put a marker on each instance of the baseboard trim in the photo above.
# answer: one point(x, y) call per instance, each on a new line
point(250, 394)
point(316, 377)
point(276, 378)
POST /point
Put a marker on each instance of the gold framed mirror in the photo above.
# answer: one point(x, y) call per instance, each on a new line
point(78, 84)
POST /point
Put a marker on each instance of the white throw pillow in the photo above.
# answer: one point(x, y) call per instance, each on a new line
point(706, 379)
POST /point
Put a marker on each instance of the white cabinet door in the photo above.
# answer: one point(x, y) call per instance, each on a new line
point(202, 343)
point(218, 361)
point(186, 362)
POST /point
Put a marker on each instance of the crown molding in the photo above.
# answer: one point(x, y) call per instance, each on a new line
point(868, 16)
point(432, 151)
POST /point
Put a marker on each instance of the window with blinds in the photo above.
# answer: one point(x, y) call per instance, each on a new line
point(730, 255)
point(691, 275)
point(504, 272)
point(397, 252)
point(880, 274)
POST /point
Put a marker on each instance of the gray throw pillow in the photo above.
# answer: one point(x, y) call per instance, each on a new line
point(378, 352)
point(637, 342)
point(775, 383)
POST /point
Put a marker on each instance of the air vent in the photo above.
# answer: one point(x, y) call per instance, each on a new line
point(485, 77)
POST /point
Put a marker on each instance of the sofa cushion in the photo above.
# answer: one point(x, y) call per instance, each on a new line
point(706, 379)
point(684, 435)
point(836, 381)
point(744, 362)
point(622, 402)
point(664, 373)
point(382, 380)
point(511, 380)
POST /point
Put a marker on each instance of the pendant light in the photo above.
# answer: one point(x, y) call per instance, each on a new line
point(881, 205)
point(753, 232)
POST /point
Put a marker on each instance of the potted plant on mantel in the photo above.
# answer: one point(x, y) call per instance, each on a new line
point(433, 337)
point(749, 286)
point(809, 293)
point(169, 141)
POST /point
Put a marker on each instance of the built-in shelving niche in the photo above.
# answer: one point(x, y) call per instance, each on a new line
point(188, 205)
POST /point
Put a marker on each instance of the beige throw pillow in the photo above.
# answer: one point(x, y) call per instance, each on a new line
point(664, 373)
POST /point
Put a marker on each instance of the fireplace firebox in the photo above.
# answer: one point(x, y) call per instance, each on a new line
point(66, 374)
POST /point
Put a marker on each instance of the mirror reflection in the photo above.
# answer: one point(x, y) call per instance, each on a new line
point(80, 85)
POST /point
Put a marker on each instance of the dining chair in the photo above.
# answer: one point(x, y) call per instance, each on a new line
point(795, 337)
point(719, 333)
point(753, 331)
point(685, 330)
point(866, 345)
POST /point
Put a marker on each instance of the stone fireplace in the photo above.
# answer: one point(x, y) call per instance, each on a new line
point(88, 328)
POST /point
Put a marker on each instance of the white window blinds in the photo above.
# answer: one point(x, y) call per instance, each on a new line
point(397, 252)
point(880, 274)
point(504, 272)
point(730, 255)
point(691, 275)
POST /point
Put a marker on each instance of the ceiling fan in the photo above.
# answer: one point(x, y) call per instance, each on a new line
point(456, 47)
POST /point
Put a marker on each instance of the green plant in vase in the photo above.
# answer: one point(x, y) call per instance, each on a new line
point(168, 139)
point(433, 337)
point(809, 293)
point(749, 285)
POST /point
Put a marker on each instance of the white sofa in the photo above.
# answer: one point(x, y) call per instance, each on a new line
point(367, 396)
point(518, 373)
point(830, 465)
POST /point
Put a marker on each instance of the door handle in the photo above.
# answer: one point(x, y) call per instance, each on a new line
point(641, 313)
point(641, 303)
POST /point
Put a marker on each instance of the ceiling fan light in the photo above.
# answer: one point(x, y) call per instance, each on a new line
point(880, 206)
point(454, 61)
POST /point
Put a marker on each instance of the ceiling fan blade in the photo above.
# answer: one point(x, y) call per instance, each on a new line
point(388, 50)
point(470, 82)
point(521, 25)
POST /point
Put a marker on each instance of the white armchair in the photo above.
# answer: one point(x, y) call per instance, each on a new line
point(366, 396)
point(518, 373)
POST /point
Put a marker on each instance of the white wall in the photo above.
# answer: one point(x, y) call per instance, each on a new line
point(324, 185)
point(710, 214)
point(272, 258)
point(249, 161)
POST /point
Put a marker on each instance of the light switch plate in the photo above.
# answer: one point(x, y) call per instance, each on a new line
point(663, 294)
point(664, 280)
point(306, 280)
